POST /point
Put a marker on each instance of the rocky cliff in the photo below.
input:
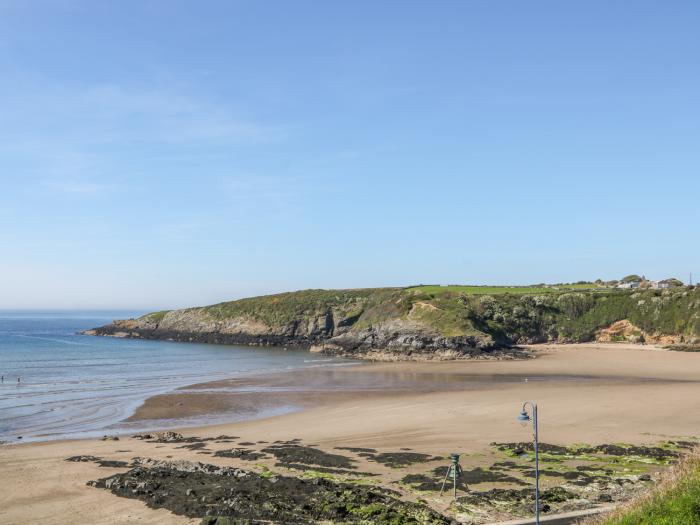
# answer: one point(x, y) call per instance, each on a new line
point(377, 324)
point(425, 323)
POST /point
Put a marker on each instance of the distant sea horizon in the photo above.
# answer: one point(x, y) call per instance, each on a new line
point(76, 386)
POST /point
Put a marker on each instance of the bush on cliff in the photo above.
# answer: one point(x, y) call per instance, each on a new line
point(543, 314)
point(576, 316)
point(675, 501)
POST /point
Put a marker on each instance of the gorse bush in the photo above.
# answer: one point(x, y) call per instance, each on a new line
point(576, 316)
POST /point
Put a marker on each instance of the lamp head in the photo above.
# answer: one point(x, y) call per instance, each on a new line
point(524, 418)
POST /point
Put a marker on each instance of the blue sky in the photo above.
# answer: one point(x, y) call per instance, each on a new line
point(171, 153)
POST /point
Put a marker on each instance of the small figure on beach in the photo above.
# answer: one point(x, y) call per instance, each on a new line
point(18, 381)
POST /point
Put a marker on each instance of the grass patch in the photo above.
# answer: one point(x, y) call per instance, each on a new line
point(675, 501)
point(156, 317)
point(265, 472)
point(498, 290)
point(284, 308)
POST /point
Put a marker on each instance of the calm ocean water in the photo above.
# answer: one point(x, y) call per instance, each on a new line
point(81, 386)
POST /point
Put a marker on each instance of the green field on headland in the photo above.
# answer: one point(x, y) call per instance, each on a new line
point(518, 290)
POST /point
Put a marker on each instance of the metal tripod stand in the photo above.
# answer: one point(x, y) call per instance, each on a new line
point(454, 471)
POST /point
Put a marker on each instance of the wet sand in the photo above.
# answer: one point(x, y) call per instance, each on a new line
point(302, 389)
point(586, 393)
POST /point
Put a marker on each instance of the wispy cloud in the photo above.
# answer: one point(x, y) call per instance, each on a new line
point(158, 115)
point(77, 187)
point(252, 186)
point(75, 139)
point(118, 114)
point(278, 195)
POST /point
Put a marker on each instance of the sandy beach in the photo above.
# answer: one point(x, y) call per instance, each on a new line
point(591, 394)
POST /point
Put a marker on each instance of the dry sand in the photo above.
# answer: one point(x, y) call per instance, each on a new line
point(586, 393)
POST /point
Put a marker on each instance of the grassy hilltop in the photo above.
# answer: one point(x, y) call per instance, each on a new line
point(431, 317)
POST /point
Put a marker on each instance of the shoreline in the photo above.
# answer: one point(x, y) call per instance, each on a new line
point(61, 410)
point(633, 395)
point(313, 387)
point(255, 385)
point(170, 411)
point(463, 348)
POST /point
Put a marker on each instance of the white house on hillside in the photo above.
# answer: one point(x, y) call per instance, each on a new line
point(630, 284)
point(654, 285)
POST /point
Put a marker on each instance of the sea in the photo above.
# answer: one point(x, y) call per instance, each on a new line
point(58, 384)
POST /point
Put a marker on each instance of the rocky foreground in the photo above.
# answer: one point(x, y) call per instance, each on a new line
point(291, 482)
point(425, 323)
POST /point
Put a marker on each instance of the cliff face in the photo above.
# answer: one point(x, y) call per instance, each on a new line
point(425, 323)
point(198, 325)
point(362, 323)
point(327, 333)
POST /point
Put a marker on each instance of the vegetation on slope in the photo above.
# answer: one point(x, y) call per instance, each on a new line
point(631, 278)
point(675, 501)
point(156, 317)
point(284, 308)
point(576, 316)
point(507, 314)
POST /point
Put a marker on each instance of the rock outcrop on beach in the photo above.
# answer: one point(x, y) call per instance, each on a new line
point(228, 495)
point(428, 322)
point(293, 482)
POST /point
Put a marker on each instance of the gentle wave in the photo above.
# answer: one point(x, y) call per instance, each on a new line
point(80, 386)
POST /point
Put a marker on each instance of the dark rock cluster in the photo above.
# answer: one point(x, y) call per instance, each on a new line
point(299, 457)
point(656, 453)
point(175, 437)
point(101, 462)
point(398, 459)
point(198, 490)
point(240, 453)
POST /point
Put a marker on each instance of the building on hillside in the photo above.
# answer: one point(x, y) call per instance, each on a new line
point(653, 285)
point(634, 281)
point(660, 285)
point(630, 284)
